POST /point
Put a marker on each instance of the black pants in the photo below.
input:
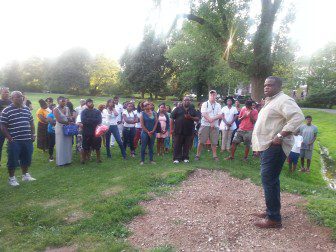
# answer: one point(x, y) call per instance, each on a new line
point(182, 145)
point(51, 142)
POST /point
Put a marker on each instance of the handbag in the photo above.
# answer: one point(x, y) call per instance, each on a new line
point(101, 130)
point(70, 130)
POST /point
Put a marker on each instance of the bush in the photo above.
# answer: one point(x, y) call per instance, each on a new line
point(324, 99)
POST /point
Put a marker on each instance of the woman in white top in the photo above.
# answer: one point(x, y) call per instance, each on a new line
point(130, 119)
point(110, 116)
point(228, 124)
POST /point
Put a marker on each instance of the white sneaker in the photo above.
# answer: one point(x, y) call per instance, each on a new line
point(176, 162)
point(27, 177)
point(13, 182)
point(186, 160)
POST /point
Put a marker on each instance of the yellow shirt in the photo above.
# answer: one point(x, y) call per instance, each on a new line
point(42, 112)
point(280, 113)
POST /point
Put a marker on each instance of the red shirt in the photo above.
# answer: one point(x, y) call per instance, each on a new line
point(246, 123)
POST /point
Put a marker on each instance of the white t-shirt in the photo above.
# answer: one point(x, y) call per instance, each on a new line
point(109, 118)
point(297, 144)
point(129, 115)
point(119, 107)
point(228, 115)
point(212, 110)
point(138, 124)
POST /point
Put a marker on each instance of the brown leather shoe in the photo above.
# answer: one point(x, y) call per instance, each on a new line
point(260, 215)
point(267, 223)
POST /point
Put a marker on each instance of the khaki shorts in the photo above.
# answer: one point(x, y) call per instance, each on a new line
point(243, 136)
point(206, 132)
point(307, 154)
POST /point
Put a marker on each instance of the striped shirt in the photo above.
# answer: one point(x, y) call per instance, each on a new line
point(17, 121)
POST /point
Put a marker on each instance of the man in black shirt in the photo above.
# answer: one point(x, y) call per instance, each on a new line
point(90, 118)
point(4, 102)
point(182, 127)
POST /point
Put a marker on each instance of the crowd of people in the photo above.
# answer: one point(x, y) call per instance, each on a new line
point(181, 128)
point(273, 128)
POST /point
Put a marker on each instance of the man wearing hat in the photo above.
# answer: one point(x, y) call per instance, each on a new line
point(211, 113)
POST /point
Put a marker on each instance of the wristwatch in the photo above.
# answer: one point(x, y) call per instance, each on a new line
point(280, 136)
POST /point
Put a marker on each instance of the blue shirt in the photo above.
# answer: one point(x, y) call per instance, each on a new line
point(17, 121)
point(51, 128)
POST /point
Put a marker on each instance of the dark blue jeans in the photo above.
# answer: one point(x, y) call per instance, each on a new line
point(146, 140)
point(2, 140)
point(272, 161)
point(129, 134)
point(115, 131)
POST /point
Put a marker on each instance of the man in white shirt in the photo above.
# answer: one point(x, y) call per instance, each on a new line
point(81, 107)
point(228, 124)
point(211, 113)
point(120, 109)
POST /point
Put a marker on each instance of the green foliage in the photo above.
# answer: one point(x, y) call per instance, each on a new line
point(197, 56)
point(321, 99)
point(104, 76)
point(12, 76)
point(322, 69)
point(70, 73)
point(145, 69)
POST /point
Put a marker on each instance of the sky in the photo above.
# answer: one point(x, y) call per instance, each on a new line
point(46, 28)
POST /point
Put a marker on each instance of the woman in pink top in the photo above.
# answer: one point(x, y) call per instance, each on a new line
point(162, 129)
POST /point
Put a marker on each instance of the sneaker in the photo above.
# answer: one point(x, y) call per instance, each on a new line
point(51, 159)
point(197, 158)
point(27, 177)
point(132, 155)
point(13, 182)
point(141, 163)
point(152, 162)
point(176, 162)
point(186, 160)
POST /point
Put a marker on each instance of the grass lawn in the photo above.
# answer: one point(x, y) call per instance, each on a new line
point(88, 206)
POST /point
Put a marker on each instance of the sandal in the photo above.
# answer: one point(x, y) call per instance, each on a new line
point(216, 159)
point(229, 158)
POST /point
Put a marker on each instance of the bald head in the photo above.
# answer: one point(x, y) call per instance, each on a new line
point(272, 86)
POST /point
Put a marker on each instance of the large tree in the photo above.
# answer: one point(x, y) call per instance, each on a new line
point(322, 69)
point(71, 72)
point(104, 75)
point(261, 64)
point(145, 68)
point(12, 76)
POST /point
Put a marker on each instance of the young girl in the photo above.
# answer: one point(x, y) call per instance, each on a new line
point(130, 119)
point(163, 129)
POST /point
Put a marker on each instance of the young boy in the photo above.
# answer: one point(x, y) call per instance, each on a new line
point(294, 155)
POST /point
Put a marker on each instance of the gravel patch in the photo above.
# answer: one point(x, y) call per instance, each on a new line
point(211, 211)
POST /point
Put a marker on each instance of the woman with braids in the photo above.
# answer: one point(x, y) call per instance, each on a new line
point(162, 129)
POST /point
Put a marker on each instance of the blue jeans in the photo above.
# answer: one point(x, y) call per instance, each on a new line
point(129, 134)
point(115, 132)
point(146, 140)
point(196, 141)
point(2, 140)
point(272, 161)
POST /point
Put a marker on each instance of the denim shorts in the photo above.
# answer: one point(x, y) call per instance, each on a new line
point(19, 153)
point(293, 157)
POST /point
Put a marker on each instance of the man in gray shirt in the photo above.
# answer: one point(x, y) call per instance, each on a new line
point(308, 132)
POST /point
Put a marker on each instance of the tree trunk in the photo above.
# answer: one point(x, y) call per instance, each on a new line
point(257, 88)
point(142, 95)
point(155, 96)
point(151, 96)
point(262, 66)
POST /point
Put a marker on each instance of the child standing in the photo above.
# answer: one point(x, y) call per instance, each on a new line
point(295, 152)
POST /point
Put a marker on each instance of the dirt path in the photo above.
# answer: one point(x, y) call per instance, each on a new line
point(211, 212)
